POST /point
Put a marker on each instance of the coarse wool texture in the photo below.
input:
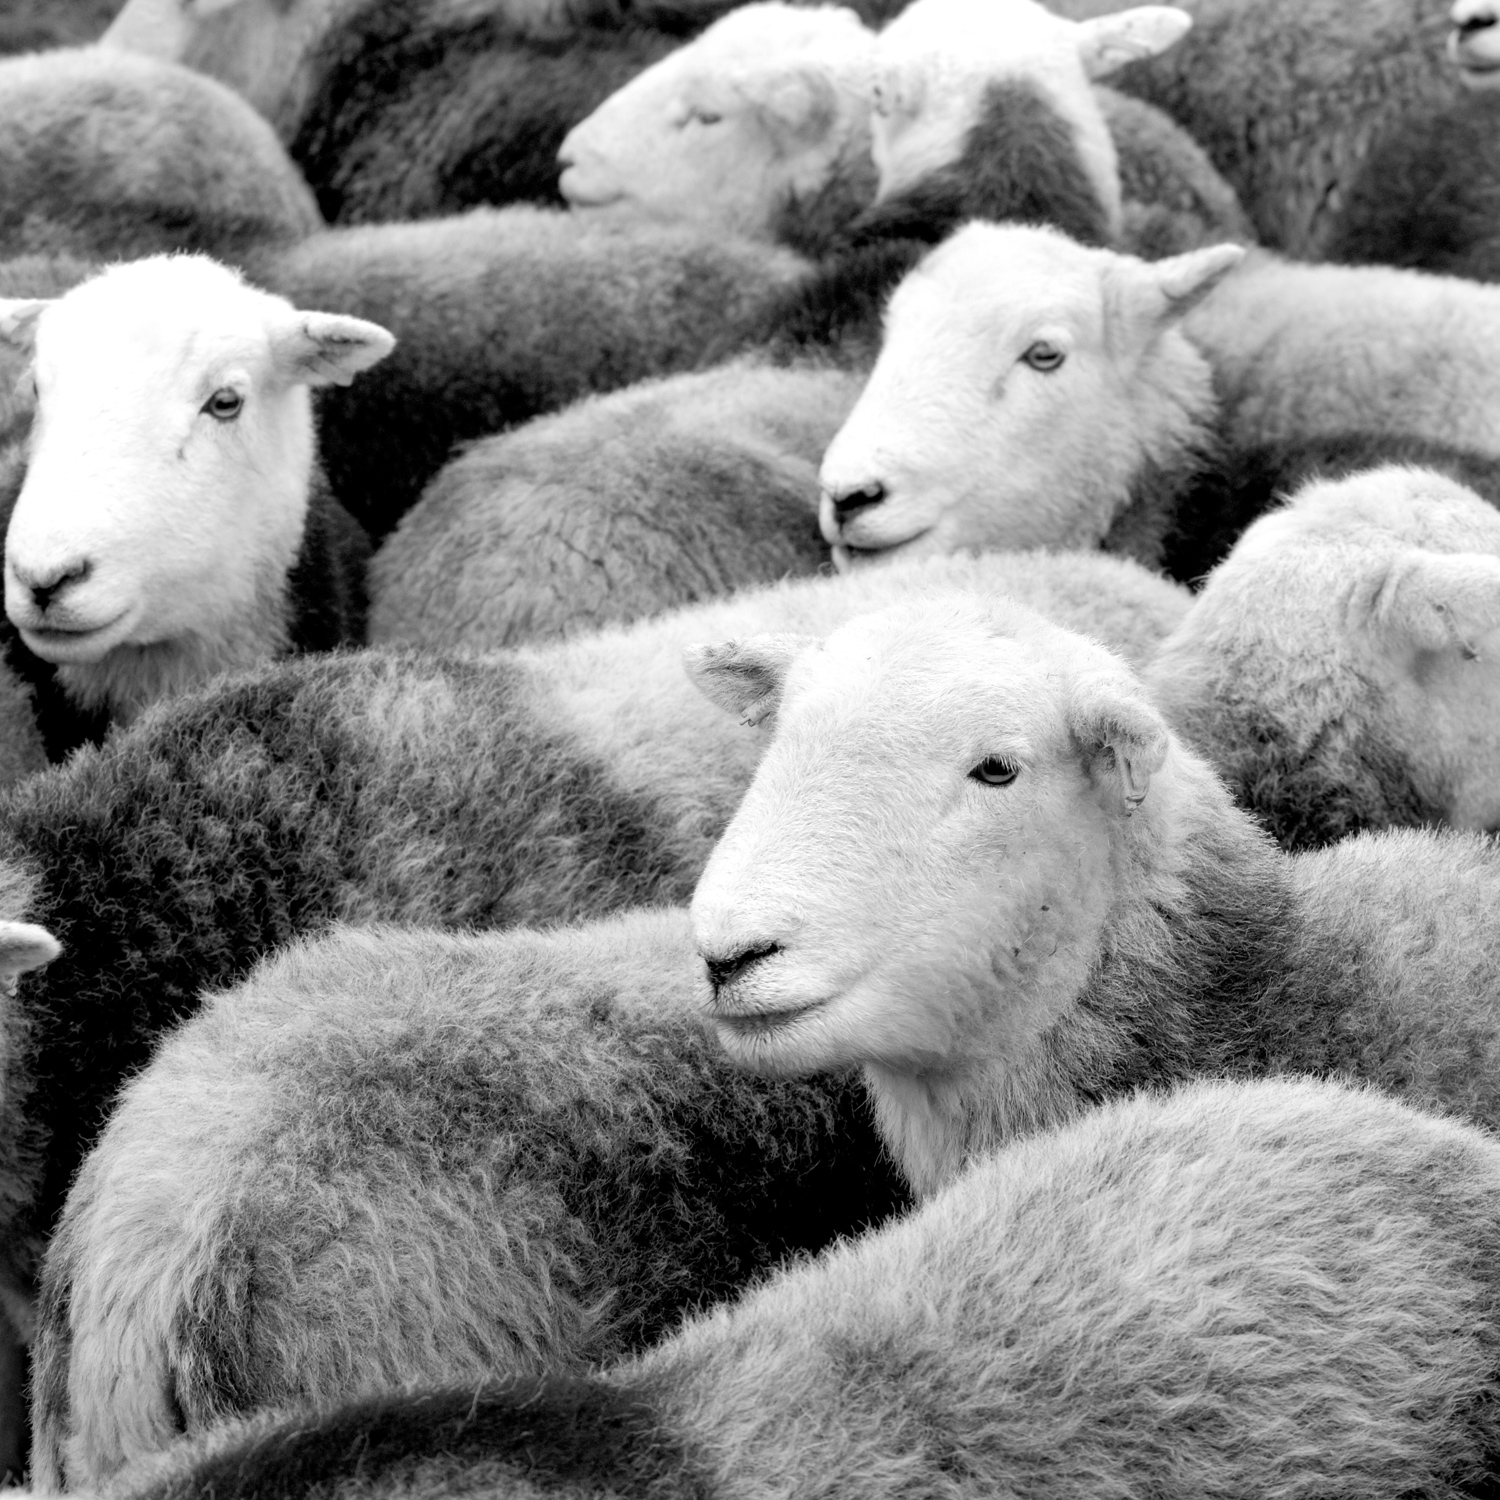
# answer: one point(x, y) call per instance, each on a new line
point(321, 604)
point(1286, 1289)
point(1289, 97)
point(21, 748)
point(418, 108)
point(542, 785)
point(109, 155)
point(1301, 350)
point(500, 315)
point(1426, 197)
point(404, 1156)
point(625, 505)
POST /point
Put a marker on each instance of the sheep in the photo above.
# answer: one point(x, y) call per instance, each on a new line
point(975, 861)
point(172, 521)
point(625, 505)
point(391, 1156)
point(763, 123)
point(1288, 96)
point(1279, 1289)
point(501, 315)
point(1474, 43)
point(542, 785)
point(1324, 710)
point(1031, 391)
point(110, 155)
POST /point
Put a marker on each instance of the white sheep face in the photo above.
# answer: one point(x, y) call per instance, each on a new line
point(923, 860)
point(727, 130)
point(170, 454)
point(1368, 601)
point(1022, 381)
point(938, 57)
point(1474, 42)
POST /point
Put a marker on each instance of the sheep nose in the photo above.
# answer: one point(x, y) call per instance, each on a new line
point(723, 971)
point(44, 586)
point(1480, 21)
point(849, 503)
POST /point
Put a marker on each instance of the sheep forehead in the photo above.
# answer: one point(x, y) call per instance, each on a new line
point(981, 32)
point(162, 320)
point(764, 38)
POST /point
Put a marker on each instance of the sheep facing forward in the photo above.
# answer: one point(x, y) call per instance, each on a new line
point(172, 521)
point(975, 860)
point(539, 786)
point(1283, 1289)
point(404, 1156)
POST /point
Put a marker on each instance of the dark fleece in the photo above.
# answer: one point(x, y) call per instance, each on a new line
point(1240, 486)
point(1428, 196)
point(620, 1151)
point(326, 604)
point(546, 1431)
point(264, 806)
point(416, 113)
point(34, 25)
point(1019, 162)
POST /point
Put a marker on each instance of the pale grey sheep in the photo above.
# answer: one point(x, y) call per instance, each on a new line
point(541, 785)
point(975, 860)
point(625, 505)
point(109, 155)
point(393, 1156)
point(1280, 1289)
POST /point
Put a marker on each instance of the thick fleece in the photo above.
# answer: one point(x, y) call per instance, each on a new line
point(394, 1156)
point(105, 154)
point(500, 316)
point(625, 505)
point(1284, 1289)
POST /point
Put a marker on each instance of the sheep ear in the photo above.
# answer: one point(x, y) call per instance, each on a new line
point(316, 348)
point(799, 107)
point(1145, 297)
point(1107, 43)
point(18, 317)
point(1440, 600)
point(1185, 280)
point(23, 946)
point(745, 677)
point(1123, 738)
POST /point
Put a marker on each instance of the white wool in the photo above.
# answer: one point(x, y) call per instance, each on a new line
point(767, 105)
point(1474, 42)
point(937, 58)
point(1363, 614)
point(170, 464)
point(1023, 383)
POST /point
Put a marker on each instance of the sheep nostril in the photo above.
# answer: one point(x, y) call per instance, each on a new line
point(1481, 22)
point(851, 502)
point(45, 588)
point(722, 971)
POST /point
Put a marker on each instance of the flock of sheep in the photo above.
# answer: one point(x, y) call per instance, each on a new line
point(749, 750)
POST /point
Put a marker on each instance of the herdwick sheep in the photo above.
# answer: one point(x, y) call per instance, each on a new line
point(109, 155)
point(1288, 96)
point(501, 315)
point(975, 860)
point(1035, 392)
point(1474, 42)
point(538, 786)
point(1337, 667)
point(1278, 1289)
point(172, 521)
point(394, 1156)
point(625, 505)
point(776, 97)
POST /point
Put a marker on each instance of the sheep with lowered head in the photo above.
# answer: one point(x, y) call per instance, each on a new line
point(976, 861)
point(535, 786)
point(109, 155)
point(394, 1156)
point(1323, 697)
point(1032, 391)
point(172, 521)
point(1281, 1288)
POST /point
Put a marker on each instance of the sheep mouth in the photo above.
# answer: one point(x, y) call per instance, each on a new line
point(1470, 60)
point(69, 642)
point(756, 1025)
point(847, 556)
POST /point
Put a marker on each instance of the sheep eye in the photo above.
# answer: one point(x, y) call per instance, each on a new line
point(995, 770)
point(1044, 356)
point(704, 116)
point(224, 405)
